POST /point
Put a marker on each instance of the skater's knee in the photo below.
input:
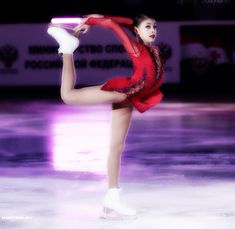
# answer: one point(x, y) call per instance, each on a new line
point(119, 97)
point(117, 147)
point(66, 97)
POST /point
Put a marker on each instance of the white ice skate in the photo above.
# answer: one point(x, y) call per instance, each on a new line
point(67, 42)
point(114, 208)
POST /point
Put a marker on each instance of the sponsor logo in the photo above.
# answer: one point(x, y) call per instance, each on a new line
point(8, 56)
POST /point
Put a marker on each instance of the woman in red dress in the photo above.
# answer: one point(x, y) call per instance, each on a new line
point(139, 90)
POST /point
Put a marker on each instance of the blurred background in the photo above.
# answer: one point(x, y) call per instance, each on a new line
point(196, 37)
point(168, 10)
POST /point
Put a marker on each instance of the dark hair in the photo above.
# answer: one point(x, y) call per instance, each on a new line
point(139, 18)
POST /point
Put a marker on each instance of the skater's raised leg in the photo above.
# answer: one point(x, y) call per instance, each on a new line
point(83, 96)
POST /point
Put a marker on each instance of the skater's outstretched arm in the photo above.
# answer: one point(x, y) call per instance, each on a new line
point(114, 23)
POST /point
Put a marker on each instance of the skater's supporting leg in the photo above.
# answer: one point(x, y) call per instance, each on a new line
point(120, 124)
point(119, 127)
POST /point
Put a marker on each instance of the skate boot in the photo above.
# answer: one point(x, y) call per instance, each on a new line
point(67, 42)
point(114, 208)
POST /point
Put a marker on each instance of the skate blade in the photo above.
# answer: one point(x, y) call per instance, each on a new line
point(63, 26)
point(109, 214)
point(69, 27)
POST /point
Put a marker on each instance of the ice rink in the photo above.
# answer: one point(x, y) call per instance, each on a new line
point(178, 166)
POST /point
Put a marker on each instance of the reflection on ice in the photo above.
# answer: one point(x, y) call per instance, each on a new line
point(80, 146)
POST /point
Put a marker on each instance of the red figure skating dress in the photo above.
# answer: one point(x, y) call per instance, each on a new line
point(141, 87)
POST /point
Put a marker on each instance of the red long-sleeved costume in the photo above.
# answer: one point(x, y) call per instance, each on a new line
point(141, 87)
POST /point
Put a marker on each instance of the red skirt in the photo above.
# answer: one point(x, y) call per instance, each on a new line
point(142, 98)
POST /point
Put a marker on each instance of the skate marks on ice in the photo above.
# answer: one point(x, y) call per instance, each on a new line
point(187, 205)
point(58, 203)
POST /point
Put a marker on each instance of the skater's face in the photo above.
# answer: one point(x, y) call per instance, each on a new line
point(147, 30)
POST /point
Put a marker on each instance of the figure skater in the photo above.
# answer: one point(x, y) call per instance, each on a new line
point(140, 90)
